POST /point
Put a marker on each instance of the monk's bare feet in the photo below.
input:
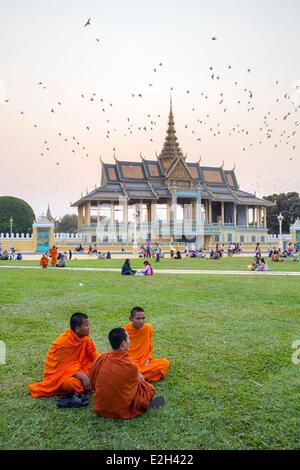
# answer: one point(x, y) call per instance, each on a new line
point(157, 402)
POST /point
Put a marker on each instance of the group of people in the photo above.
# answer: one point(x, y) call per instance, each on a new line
point(289, 252)
point(150, 250)
point(128, 271)
point(258, 264)
point(119, 379)
point(9, 254)
point(58, 260)
point(103, 255)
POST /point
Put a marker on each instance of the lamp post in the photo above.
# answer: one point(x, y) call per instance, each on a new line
point(11, 223)
point(280, 219)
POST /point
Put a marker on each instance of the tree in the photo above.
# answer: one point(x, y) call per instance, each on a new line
point(21, 212)
point(67, 224)
point(289, 206)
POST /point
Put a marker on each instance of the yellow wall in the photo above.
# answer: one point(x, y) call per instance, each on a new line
point(20, 244)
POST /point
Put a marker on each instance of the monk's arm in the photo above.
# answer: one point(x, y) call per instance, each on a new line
point(150, 356)
point(151, 343)
point(140, 376)
point(85, 381)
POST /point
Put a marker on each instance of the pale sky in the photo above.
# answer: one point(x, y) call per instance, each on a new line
point(47, 42)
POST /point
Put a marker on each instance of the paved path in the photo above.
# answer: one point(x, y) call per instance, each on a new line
point(172, 271)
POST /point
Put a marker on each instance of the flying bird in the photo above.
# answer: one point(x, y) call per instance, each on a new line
point(214, 38)
point(88, 23)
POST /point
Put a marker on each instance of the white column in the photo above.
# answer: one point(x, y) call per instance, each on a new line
point(247, 216)
point(112, 213)
point(234, 214)
point(125, 212)
point(98, 213)
point(87, 216)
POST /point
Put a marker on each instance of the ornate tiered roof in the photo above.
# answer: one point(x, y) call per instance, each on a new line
point(154, 179)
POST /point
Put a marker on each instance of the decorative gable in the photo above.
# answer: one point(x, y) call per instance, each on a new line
point(179, 171)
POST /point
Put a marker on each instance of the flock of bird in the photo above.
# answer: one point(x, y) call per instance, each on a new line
point(203, 125)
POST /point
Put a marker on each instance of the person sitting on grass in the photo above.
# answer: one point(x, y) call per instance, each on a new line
point(215, 254)
point(148, 270)
point(68, 363)
point(61, 262)
point(295, 256)
point(178, 255)
point(44, 261)
point(19, 257)
point(120, 391)
point(276, 256)
point(126, 268)
point(141, 345)
point(262, 265)
point(254, 264)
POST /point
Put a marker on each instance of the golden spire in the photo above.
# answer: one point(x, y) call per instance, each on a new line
point(171, 149)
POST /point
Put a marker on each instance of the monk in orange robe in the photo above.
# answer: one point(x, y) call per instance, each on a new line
point(44, 261)
point(68, 361)
point(119, 389)
point(141, 346)
point(53, 254)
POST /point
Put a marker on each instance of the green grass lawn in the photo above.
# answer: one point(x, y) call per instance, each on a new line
point(234, 263)
point(231, 384)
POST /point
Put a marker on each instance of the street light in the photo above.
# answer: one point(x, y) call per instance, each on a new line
point(11, 222)
point(280, 219)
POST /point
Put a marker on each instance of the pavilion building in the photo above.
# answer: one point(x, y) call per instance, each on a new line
point(169, 199)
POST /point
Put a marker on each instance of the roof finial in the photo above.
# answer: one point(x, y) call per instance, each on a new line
point(171, 112)
point(141, 156)
point(222, 164)
point(100, 159)
point(233, 167)
point(156, 154)
point(200, 158)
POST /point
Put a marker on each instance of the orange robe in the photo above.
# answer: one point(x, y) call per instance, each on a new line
point(141, 346)
point(118, 392)
point(67, 355)
point(53, 254)
point(44, 261)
